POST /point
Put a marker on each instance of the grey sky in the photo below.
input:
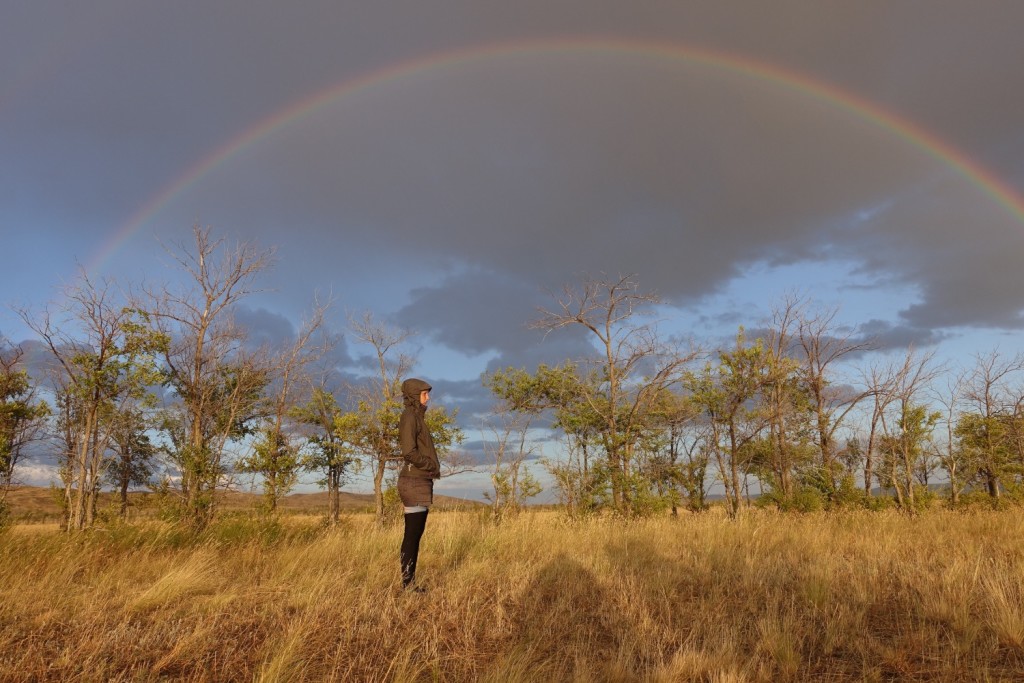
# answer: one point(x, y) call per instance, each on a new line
point(447, 199)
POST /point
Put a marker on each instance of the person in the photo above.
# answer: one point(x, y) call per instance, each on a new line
point(416, 478)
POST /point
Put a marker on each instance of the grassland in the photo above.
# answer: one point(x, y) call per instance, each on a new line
point(771, 597)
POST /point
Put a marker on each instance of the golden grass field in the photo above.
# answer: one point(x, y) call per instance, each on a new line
point(828, 597)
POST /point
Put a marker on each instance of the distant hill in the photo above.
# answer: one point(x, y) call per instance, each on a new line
point(35, 503)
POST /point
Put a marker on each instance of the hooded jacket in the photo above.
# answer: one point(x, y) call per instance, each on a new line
point(413, 436)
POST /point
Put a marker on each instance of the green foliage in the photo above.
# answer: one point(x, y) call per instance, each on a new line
point(513, 485)
point(277, 459)
point(848, 494)
point(328, 449)
point(803, 499)
point(21, 414)
point(393, 509)
point(582, 491)
point(903, 450)
point(991, 447)
point(644, 499)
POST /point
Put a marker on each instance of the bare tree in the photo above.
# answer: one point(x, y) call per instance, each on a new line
point(953, 458)
point(217, 383)
point(509, 449)
point(634, 366)
point(881, 380)
point(823, 346)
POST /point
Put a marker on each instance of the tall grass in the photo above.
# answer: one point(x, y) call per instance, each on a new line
point(858, 597)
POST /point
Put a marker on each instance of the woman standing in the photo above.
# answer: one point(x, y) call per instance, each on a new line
point(420, 469)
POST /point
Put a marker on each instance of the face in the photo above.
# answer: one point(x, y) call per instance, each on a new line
point(424, 397)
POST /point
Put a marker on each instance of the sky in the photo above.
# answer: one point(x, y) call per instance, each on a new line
point(446, 164)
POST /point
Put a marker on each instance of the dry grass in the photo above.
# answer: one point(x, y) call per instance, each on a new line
point(856, 597)
point(33, 504)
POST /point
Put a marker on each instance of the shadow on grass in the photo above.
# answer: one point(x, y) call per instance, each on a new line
point(564, 624)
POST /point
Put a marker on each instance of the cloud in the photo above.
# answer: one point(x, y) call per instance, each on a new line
point(32, 473)
point(265, 328)
point(886, 336)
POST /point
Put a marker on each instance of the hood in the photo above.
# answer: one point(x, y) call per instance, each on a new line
point(411, 389)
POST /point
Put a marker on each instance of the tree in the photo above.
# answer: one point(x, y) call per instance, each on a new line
point(986, 432)
point(217, 383)
point(373, 425)
point(906, 425)
point(276, 452)
point(904, 449)
point(581, 478)
point(132, 451)
point(677, 459)
point(784, 399)
point(632, 368)
point(22, 415)
point(326, 450)
point(882, 381)
point(823, 346)
point(511, 418)
point(727, 395)
point(111, 364)
point(954, 457)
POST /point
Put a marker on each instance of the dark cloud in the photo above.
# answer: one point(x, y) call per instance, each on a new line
point(886, 336)
point(477, 312)
point(474, 312)
point(265, 328)
point(470, 397)
point(482, 451)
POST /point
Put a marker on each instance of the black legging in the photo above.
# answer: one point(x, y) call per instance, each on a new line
point(415, 523)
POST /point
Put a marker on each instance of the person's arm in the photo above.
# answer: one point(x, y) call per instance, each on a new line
point(410, 449)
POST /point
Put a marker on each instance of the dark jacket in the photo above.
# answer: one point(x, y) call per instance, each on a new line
point(414, 437)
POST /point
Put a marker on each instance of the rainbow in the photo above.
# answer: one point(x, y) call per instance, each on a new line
point(800, 84)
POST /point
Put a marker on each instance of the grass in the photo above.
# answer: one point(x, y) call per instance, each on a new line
point(34, 504)
point(852, 597)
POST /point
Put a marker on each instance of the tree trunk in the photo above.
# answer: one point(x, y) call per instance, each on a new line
point(124, 495)
point(333, 486)
point(378, 491)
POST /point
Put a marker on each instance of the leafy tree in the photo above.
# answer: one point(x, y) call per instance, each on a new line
point(22, 416)
point(130, 462)
point(904, 448)
point(581, 478)
point(112, 363)
point(326, 450)
point(987, 435)
point(727, 394)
